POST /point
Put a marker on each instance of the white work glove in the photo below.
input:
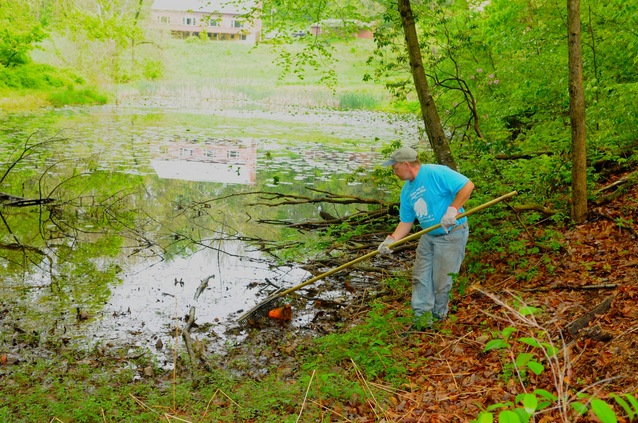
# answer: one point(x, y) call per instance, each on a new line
point(449, 218)
point(383, 249)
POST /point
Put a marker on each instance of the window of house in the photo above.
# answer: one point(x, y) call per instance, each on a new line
point(164, 19)
point(189, 21)
point(237, 24)
point(243, 37)
point(185, 151)
point(210, 153)
point(214, 20)
point(233, 154)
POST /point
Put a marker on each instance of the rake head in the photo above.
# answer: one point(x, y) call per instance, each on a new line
point(258, 315)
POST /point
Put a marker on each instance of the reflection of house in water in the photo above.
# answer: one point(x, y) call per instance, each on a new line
point(224, 161)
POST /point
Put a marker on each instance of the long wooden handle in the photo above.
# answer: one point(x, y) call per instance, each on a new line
point(399, 242)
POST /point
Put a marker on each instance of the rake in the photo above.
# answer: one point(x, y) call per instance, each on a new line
point(283, 292)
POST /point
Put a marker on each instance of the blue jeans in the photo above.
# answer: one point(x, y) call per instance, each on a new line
point(436, 258)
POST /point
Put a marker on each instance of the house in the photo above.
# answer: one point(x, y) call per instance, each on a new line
point(218, 19)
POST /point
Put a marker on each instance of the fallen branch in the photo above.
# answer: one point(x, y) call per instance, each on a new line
point(574, 327)
point(202, 286)
point(353, 219)
point(288, 199)
point(622, 181)
point(620, 224)
point(187, 336)
point(528, 155)
point(596, 333)
point(534, 207)
point(621, 188)
point(559, 286)
point(8, 200)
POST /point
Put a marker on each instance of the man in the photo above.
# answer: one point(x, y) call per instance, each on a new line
point(431, 194)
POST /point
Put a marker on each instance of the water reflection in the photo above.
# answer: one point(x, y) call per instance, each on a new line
point(222, 161)
point(138, 207)
point(140, 312)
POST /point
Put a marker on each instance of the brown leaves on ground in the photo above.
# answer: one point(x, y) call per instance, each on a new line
point(452, 379)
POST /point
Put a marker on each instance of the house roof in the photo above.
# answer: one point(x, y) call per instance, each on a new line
point(206, 6)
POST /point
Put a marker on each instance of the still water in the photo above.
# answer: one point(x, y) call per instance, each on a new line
point(112, 217)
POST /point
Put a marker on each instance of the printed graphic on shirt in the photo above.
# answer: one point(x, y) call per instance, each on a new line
point(421, 209)
point(419, 205)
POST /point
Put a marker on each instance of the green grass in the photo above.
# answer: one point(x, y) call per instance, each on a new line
point(200, 70)
point(101, 385)
point(250, 72)
point(13, 101)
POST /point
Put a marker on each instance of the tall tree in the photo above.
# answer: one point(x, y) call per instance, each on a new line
point(577, 114)
point(433, 127)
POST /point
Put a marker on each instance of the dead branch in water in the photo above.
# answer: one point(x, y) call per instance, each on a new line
point(328, 197)
point(293, 199)
point(187, 336)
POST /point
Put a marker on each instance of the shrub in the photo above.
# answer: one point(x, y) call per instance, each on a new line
point(70, 96)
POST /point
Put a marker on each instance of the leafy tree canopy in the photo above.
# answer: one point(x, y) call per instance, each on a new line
point(19, 33)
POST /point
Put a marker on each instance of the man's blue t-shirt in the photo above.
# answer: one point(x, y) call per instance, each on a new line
point(429, 195)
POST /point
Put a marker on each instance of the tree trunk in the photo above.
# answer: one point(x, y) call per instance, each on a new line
point(577, 114)
point(433, 127)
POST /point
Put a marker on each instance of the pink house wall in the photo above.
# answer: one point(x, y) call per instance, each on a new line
point(191, 22)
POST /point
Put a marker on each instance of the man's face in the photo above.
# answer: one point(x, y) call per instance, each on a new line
point(402, 170)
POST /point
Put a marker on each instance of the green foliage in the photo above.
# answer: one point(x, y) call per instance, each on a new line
point(19, 33)
point(519, 411)
point(487, 68)
point(370, 347)
point(36, 76)
point(343, 232)
point(398, 284)
point(71, 96)
point(152, 69)
point(309, 54)
point(69, 388)
point(526, 405)
point(311, 57)
point(629, 404)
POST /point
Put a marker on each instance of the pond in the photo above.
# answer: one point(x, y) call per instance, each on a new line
point(113, 216)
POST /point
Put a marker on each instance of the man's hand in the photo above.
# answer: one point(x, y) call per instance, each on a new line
point(383, 249)
point(449, 218)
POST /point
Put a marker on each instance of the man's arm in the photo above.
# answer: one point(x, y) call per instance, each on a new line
point(402, 229)
point(463, 195)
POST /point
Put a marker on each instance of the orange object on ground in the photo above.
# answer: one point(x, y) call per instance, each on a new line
point(281, 313)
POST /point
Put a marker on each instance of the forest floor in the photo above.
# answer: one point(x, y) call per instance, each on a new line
point(596, 265)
